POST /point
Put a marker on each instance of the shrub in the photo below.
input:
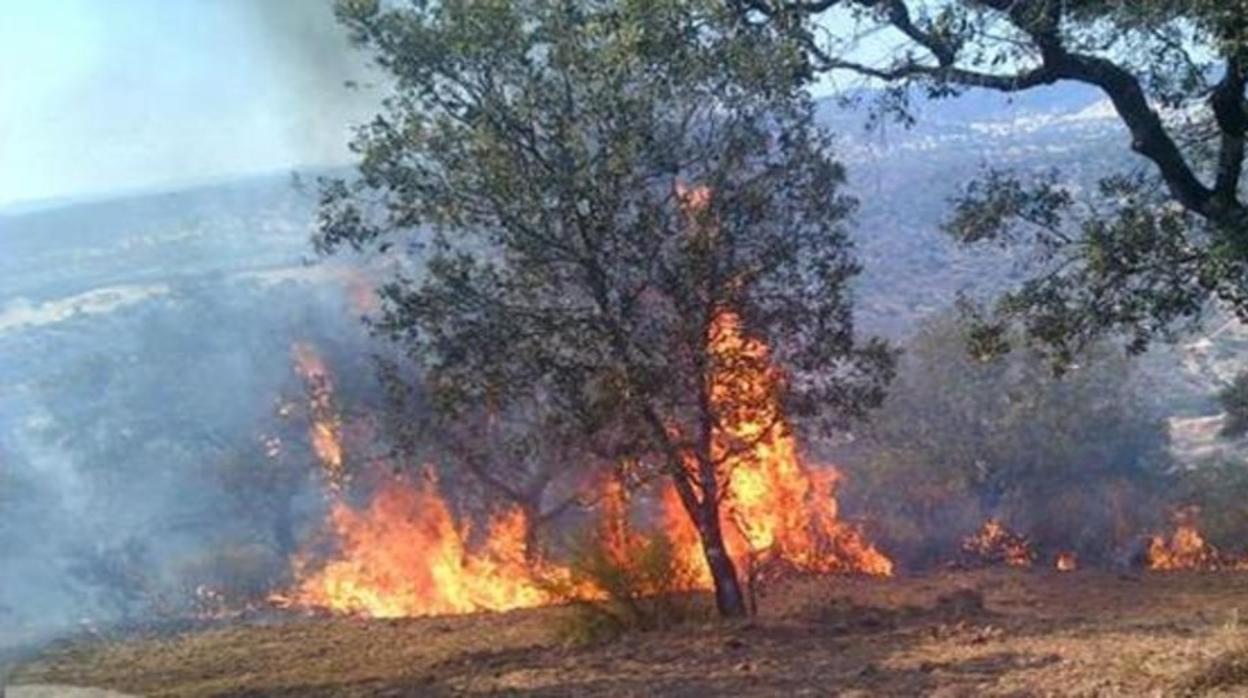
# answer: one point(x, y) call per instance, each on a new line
point(960, 439)
point(639, 585)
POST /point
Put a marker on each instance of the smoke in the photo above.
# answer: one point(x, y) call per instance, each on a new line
point(155, 92)
point(316, 72)
point(135, 436)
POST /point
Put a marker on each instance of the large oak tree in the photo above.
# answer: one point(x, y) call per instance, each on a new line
point(589, 190)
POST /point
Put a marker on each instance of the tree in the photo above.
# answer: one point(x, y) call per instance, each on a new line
point(1165, 240)
point(1073, 461)
point(522, 457)
point(600, 192)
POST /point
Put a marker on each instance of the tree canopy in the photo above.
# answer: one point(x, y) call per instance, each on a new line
point(1163, 240)
point(598, 194)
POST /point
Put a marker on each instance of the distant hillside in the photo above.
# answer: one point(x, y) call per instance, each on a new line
point(144, 238)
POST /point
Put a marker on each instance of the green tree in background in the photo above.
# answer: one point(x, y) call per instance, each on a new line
point(589, 188)
point(1164, 240)
point(1072, 461)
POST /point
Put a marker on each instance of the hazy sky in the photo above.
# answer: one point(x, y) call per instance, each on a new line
point(100, 96)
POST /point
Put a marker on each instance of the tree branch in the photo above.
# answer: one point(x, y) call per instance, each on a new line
point(1227, 102)
point(1041, 21)
point(1015, 82)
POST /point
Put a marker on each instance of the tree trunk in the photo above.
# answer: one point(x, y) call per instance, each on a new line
point(532, 542)
point(704, 513)
point(728, 597)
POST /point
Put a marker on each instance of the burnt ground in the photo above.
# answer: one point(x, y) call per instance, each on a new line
point(989, 632)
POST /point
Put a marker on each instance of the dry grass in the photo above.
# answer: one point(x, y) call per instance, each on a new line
point(993, 632)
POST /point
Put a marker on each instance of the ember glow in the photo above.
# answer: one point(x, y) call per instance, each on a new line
point(995, 543)
point(1186, 548)
point(325, 430)
point(1066, 561)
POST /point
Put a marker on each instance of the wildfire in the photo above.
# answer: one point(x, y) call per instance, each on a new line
point(325, 431)
point(1066, 561)
point(995, 543)
point(776, 509)
point(404, 554)
point(1186, 548)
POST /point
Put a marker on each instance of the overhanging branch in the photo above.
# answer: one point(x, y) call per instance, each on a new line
point(1041, 22)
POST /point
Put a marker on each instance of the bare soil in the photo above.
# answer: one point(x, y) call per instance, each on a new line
point(989, 632)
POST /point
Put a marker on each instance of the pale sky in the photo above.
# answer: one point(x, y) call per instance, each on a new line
point(104, 96)
point(98, 96)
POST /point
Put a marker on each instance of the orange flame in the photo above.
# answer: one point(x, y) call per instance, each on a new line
point(776, 509)
point(325, 431)
point(1066, 561)
point(996, 543)
point(404, 555)
point(1186, 549)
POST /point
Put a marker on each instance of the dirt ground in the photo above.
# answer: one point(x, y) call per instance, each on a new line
point(990, 632)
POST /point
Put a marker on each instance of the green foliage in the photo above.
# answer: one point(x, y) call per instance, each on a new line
point(1129, 269)
point(586, 189)
point(645, 587)
point(1073, 462)
point(541, 149)
point(1146, 254)
point(1234, 400)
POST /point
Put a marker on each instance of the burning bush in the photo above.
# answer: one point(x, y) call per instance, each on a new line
point(1066, 561)
point(1185, 548)
point(640, 583)
point(405, 553)
point(997, 544)
point(1216, 489)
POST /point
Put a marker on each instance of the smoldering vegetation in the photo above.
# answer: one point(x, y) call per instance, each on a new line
point(145, 357)
point(160, 448)
point(1079, 463)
